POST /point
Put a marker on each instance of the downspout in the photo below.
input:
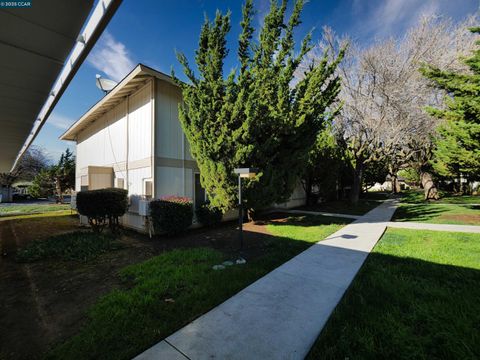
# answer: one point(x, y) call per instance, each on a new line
point(183, 162)
point(128, 135)
point(154, 138)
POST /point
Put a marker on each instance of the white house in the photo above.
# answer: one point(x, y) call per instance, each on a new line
point(132, 139)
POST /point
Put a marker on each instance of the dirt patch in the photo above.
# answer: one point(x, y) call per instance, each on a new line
point(44, 303)
point(466, 219)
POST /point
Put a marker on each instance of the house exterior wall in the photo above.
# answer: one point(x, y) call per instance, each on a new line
point(141, 139)
point(121, 139)
point(174, 166)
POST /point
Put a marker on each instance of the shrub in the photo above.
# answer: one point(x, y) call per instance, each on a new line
point(172, 214)
point(208, 215)
point(102, 206)
point(80, 246)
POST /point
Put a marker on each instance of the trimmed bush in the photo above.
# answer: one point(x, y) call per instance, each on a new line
point(208, 215)
point(102, 206)
point(171, 214)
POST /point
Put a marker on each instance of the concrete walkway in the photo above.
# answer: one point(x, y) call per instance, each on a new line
point(281, 315)
point(436, 227)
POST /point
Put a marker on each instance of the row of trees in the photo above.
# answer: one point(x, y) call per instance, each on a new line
point(384, 126)
point(47, 179)
point(321, 112)
point(55, 179)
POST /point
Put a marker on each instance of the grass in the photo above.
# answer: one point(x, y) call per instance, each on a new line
point(170, 290)
point(47, 214)
point(79, 246)
point(450, 209)
point(416, 297)
point(364, 205)
point(31, 209)
point(416, 197)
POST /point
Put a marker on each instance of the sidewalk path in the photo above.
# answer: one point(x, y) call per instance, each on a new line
point(281, 315)
point(437, 227)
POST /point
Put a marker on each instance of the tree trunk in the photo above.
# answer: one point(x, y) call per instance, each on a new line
point(395, 184)
point(58, 190)
point(429, 188)
point(251, 215)
point(308, 187)
point(357, 182)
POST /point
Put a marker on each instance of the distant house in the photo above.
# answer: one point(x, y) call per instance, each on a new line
point(132, 139)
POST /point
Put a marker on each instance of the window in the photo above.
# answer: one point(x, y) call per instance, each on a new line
point(119, 183)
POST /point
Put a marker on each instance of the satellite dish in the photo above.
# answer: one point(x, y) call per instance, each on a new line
point(106, 85)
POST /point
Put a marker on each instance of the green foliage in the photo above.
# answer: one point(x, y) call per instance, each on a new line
point(102, 206)
point(323, 168)
point(410, 175)
point(56, 179)
point(458, 145)
point(375, 171)
point(256, 116)
point(172, 215)
point(64, 172)
point(42, 185)
point(78, 246)
point(208, 215)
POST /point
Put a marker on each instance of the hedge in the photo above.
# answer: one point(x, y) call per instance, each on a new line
point(171, 215)
point(208, 215)
point(102, 206)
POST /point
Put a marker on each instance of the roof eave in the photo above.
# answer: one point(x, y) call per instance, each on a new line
point(137, 72)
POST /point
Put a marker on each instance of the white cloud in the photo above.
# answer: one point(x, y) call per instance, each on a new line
point(111, 57)
point(385, 18)
point(59, 121)
point(402, 13)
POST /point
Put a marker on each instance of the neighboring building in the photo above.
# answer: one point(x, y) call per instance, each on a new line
point(132, 139)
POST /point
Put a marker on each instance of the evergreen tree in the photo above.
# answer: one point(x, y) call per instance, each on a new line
point(322, 173)
point(257, 116)
point(56, 179)
point(458, 144)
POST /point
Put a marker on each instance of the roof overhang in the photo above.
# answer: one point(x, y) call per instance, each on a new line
point(132, 82)
point(41, 48)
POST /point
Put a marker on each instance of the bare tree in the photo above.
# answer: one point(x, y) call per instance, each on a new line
point(32, 162)
point(384, 95)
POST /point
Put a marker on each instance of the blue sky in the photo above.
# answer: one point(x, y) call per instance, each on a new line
point(149, 31)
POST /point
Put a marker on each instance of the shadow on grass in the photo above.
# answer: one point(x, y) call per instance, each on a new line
point(419, 212)
point(405, 308)
point(287, 219)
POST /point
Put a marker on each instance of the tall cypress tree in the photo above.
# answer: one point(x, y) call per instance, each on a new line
point(458, 145)
point(257, 116)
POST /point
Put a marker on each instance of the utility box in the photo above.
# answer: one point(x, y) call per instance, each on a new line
point(144, 207)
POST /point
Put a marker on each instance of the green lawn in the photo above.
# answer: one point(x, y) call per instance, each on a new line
point(20, 209)
point(78, 246)
point(364, 205)
point(416, 197)
point(450, 209)
point(416, 297)
point(170, 290)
